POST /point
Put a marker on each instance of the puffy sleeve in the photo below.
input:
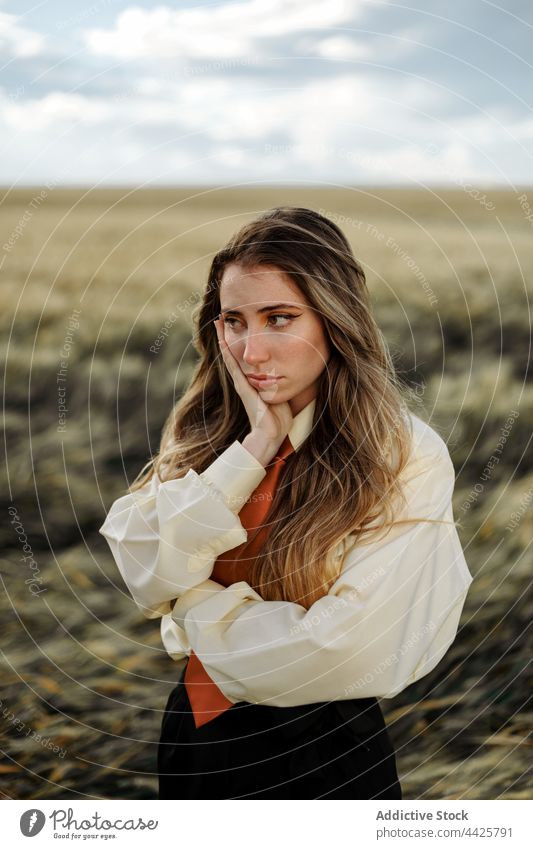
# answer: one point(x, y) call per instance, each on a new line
point(387, 620)
point(166, 536)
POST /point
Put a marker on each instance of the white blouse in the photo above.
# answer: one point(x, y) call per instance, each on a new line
point(387, 620)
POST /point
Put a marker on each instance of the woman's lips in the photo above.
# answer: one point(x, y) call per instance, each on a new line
point(264, 382)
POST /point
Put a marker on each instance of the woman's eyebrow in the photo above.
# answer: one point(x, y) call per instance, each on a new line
point(265, 309)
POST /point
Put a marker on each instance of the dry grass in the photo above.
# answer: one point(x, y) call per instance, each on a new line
point(81, 667)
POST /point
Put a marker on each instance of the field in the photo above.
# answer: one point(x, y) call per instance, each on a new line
point(89, 279)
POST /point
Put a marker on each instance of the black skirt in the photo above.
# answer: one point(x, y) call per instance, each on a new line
point(324, 750)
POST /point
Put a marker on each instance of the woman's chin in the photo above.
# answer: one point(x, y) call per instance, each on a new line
point(273, 395)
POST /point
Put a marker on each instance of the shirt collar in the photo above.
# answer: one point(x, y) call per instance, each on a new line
point(302, 424)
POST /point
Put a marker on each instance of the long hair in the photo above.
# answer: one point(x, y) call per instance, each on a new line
point(344, 479)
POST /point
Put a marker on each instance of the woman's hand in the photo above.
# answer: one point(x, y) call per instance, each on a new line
point(269, 422)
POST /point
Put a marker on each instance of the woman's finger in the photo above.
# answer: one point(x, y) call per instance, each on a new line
point(254, 405)
point(227, 356)
point(241, 383)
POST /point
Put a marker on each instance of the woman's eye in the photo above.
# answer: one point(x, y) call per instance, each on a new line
point(280, 315)
point(288, 318)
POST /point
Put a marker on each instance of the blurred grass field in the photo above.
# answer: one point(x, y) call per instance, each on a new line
point(82, 670)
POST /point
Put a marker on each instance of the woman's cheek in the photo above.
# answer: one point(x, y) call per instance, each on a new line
point(301, 356)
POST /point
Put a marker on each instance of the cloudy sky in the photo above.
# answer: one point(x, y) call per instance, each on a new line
point(329, 92)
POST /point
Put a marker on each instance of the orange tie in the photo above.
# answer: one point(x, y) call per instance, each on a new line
point(206, 700)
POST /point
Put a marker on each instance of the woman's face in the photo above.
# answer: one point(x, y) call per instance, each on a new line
point(265, 337)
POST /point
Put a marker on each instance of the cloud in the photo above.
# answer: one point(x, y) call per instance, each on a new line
point(223, 31)
point(189, 128)
point(54, 110)
point(342, 47)
point(16, 41)
point(264, 90)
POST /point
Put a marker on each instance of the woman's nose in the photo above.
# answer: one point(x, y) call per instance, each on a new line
point(256, 347)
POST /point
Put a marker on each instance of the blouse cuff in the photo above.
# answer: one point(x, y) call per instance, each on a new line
point(236, 473)
point(194, 596)
point(223, 603)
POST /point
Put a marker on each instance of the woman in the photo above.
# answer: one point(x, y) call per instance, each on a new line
point(295, 533)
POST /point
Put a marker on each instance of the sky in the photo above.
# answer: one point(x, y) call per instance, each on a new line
point(259, 92)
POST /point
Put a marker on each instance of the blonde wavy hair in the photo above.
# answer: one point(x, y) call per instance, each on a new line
point(345, 478)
